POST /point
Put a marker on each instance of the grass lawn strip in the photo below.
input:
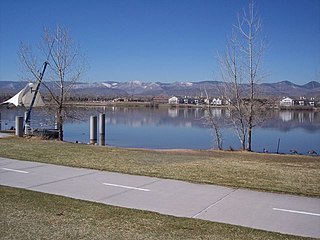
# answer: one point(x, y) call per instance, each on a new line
point(293, 174)
point(32, 215)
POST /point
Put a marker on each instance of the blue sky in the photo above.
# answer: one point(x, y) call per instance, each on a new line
point(164, 40)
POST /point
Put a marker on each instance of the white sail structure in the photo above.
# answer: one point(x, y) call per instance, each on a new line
point(24, 97)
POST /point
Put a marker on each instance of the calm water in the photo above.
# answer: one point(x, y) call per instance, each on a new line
point(181, 128)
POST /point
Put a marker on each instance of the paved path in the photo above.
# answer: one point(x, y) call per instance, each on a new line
point(273, 212)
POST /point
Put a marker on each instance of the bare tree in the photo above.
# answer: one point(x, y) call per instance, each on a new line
point(233, 92)
point(65, 66)
point(252, 45)
point(214, 122)
point(240, 70)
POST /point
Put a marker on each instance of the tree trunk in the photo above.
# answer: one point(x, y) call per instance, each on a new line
point(250, 137)
point(60, 124)
point(61, 130)
point(243, 142)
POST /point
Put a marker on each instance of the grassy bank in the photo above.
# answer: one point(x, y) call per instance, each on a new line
point(32, 215)
point(265, 172)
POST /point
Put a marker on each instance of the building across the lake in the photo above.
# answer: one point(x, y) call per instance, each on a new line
point(161, 99)
point(173, 100)
point(301, 101)
point(287, 102)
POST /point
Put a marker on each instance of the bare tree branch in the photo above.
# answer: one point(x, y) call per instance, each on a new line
point(65, 68)
point(242, 61)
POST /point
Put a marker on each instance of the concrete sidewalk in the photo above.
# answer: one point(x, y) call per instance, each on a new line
point(267, 211)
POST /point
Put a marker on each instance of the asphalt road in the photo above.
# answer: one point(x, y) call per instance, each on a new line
point(268, 211)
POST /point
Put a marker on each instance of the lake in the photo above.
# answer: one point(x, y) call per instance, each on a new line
point(180, 128)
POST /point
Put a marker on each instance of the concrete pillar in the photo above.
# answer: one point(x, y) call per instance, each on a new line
point(102, 129)
point(56, 127)
point(27, 127)
point(19, 126)
point(93, 129)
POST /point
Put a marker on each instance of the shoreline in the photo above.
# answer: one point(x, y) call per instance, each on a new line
point(167, 105)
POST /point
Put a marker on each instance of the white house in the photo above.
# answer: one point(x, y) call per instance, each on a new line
point(287, 102)
point(217, 101)
point(311, 102)
point(173, 100)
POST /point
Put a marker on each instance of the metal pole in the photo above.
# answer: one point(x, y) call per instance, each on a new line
point(0, 122)
point(93, 129)
point(102, 129)
point(27, 119)
point(19, 126)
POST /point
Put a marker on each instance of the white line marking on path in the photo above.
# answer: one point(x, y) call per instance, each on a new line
point(295, 211)
point(14, 170)
point(122, 186)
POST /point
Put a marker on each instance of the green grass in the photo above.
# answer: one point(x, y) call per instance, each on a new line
point(294, 174)
point(32, 215)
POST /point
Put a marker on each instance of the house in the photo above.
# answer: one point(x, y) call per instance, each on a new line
point(300, 102)
point(216, 102)
point(286, 102)
point(161, 99)
point(207, 101)
point(188, 100)
point(311, 102)
point(173, 100)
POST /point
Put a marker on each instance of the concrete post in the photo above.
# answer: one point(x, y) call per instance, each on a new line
point(56, 127)
point(19, 126)
point(0, 122)
point(102, 129)
point(93, 129)
point(27, 124)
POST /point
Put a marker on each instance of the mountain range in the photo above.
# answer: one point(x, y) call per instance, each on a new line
point(139, 88)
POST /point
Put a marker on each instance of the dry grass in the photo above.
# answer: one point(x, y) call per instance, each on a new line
point(294, 174)
point(32, 215)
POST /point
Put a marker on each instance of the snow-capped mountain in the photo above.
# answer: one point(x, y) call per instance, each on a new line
point(139, 88)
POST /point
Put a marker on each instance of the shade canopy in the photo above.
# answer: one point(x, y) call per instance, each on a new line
point(24, 97)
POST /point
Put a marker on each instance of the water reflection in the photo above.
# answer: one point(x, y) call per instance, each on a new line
point(301, 116)
point(286, 116)
point(178, 127)
point(280, 120)
point(288, 120)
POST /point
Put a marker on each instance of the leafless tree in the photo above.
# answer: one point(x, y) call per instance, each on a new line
point(233, 92)
point(241, 72)
point(65, 66)
point(213, 121)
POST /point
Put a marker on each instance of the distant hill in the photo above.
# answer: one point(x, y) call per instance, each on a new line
point(10, 87)
point(312, 85)
point(287, 88)
point(138, 88)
